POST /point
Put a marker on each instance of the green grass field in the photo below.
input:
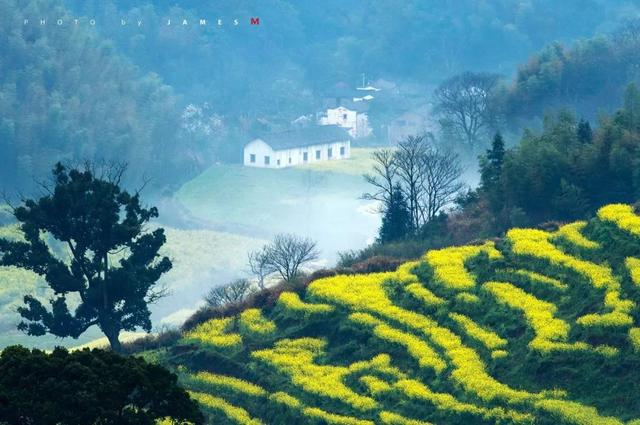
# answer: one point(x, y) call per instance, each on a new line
point(320, 200)
point(359, 163)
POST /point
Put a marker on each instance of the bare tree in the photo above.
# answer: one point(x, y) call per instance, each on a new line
point(440, 181)
point(464, 102)
point(428, 178)
point(382, 177)
point(260, 266)
point(233, 292)
point(410, 160)
point(288, 252)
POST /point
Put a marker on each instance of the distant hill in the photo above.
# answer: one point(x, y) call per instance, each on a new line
point(540, 327)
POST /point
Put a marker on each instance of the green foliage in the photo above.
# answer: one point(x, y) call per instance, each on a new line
point(88, 387)
point(396, 219)
point(96, 221)
point(67, 94)
point(564, 173)
point(589, 76)
point(479, 334)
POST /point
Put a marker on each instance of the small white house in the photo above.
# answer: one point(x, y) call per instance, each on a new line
point(352, 117)
point(300, 146)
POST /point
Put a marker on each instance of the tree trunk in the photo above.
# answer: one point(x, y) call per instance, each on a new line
point(114, 341)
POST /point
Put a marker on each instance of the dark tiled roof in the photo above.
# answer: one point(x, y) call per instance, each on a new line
point(307, 136)
point(347, 102)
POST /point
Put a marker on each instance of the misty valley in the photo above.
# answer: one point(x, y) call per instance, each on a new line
point(296, 212)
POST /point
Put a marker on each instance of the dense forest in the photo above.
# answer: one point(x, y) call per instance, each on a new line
point(173, 100)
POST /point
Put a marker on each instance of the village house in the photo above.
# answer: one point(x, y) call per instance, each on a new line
point(348, 108)
point(410, 123)
point(298, 146)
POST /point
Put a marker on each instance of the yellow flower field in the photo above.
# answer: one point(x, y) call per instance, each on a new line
point(441, 340)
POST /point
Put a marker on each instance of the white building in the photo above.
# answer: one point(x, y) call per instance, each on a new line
point(350, 115)
point(300, 146)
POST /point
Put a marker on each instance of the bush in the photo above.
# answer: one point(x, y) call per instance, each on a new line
point(377, 264)
point(88, 387)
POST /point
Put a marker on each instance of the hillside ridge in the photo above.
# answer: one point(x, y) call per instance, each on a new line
point(464, 335)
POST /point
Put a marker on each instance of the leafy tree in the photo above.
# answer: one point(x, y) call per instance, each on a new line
point(88, 387)
point(491, 163)
point(396, 220)
point(114, 265)
point(570, 202)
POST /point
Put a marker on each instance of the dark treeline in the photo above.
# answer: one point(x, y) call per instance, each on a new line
point(562, 173)
point(312, 45)
point(173, 101)
point(588, 77)
point(68, 95)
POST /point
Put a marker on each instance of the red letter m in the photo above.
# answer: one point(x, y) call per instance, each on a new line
point(255, 21)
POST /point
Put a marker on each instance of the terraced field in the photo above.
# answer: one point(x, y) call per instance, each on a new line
point(541, 327)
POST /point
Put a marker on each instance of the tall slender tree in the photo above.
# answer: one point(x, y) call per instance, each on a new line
point(396, 220)
point(113, 265)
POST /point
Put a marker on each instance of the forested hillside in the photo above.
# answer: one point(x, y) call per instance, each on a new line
point(173, 100)
point(538, 327)
point(309, 45)
point(69, 95)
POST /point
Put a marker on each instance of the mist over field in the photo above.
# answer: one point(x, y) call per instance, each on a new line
point(179, 102)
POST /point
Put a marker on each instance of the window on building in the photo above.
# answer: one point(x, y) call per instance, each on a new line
point(341, 150)
point(278, 162)
point(305, 156)
point(252, 158)
point(267, 160)
point(329, 153)
point(344, 117)
point(289, 160)
point(318, 153)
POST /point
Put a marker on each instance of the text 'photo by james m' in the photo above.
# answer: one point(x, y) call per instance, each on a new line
point(202, 22)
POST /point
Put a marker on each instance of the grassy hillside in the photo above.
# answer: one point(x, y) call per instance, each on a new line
point(320, 201)
point(540, 327)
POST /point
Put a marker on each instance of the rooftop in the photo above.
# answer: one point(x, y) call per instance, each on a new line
point(308, 136)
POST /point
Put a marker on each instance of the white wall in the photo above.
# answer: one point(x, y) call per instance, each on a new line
point(261, 149)
point(356, 123)
point(362, 127)
point(343, 117)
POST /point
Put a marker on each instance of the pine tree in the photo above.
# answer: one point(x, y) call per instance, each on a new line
point(491, 172)
point(396, 221)
point(491, 164)
point(584, 133)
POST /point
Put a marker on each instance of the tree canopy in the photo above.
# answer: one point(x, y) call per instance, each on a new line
point(88, 387)
point(114, 264)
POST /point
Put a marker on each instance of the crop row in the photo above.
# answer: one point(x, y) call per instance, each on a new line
point(296, 359)
point(622, 216)
point(551, 333)
point(536, 243)
point(448, 264)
